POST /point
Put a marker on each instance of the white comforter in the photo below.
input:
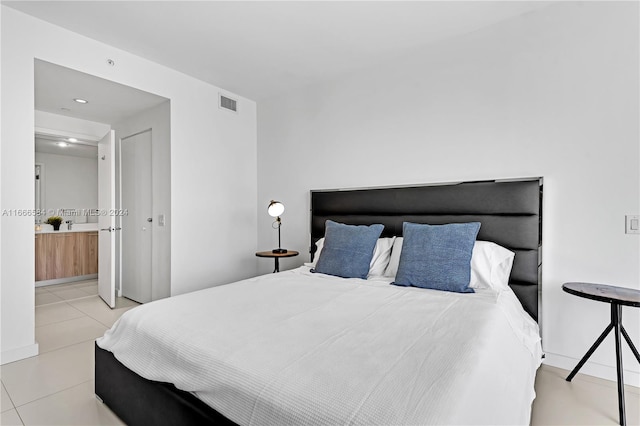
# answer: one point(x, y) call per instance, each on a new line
point(297, 348)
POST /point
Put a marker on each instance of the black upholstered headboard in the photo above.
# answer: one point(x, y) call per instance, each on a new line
point(510, 213)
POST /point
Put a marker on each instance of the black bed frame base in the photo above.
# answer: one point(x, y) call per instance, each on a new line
point(145, 402)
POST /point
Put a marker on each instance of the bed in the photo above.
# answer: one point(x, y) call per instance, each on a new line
point(308, 348)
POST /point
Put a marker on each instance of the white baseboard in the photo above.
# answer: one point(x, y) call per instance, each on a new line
point(607, 372)
point(17, 354)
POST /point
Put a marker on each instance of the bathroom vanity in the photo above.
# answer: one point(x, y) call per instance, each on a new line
point(66, 253)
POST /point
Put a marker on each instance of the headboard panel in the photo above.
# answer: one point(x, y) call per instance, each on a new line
point(510, 213)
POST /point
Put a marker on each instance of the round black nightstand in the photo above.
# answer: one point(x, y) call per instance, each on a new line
point(277, 256)
point(617, 297)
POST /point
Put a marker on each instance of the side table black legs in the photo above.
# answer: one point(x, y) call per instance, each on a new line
point(590, 352)
point(630, 343)
point(616, 325)
point(617, 297)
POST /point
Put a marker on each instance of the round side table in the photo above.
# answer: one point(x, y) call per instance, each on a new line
point(617, 297)
point(277, 256)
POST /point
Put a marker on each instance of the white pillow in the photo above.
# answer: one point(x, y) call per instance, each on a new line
point(394, 261)
point(316, 255)
point(490, 264)
point(379, 261)
point(381, 256)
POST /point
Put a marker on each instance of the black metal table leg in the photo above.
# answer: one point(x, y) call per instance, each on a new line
point(616, 323)
point(277, 268)
point(630, 343)
point(590, 351)
point(616, 318)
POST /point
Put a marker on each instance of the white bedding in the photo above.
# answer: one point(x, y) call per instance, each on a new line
point(300, 348)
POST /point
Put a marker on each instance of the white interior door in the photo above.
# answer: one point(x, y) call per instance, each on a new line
point(107, 219)
point(137, 224)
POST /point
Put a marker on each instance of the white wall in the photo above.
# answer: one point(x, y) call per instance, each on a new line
point(158, 119)
point(29, 347)
point(213, 168)
point(553, 93)
point(69, 182)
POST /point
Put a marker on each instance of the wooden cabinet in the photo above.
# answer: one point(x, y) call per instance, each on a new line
point(41, 257)
point(86, 253)
point(66, 254)
point(60, 255)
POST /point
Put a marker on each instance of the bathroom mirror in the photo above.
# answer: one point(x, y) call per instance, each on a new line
point(66, 179)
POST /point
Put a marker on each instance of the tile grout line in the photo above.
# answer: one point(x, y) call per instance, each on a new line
point(79, 298)
point(80, 310)
point(76, 343)
point(9, 395)
point(58, 322)
point(94, 318)
point(67, 284)
point(68, 346)
point(51, 303)
point(51, 394)
point(19, 416)
point(67, 320)
point(86, 314)
point(76, 308)
point(77, 286)
point(67, 300)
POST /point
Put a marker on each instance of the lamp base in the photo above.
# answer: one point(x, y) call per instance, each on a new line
point(279, 250)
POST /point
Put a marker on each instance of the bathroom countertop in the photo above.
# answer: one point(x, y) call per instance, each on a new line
point(83, 227)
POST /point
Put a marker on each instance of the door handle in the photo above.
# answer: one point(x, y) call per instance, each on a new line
point(110, 229)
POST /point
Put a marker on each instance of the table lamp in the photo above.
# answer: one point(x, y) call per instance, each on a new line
point(275, 209)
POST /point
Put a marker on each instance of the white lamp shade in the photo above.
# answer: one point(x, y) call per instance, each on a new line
point(275, 209)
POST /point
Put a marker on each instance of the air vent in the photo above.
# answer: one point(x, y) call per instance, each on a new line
point(228, 103)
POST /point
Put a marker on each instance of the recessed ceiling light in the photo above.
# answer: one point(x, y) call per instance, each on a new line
point(81, 101)
point(72, 139)
point(62, 144)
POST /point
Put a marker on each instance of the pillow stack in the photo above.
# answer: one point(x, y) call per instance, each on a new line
point(440, 257)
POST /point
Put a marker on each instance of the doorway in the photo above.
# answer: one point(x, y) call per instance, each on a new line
point(114, 108)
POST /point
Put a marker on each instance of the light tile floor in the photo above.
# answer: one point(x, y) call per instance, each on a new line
point(586, 400)
point(56, 387)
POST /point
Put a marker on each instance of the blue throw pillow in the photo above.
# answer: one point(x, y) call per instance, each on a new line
point(348, 249)
point(437, 256)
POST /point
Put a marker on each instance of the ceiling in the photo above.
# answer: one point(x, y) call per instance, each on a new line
point(260, 49)
point(56, 88)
